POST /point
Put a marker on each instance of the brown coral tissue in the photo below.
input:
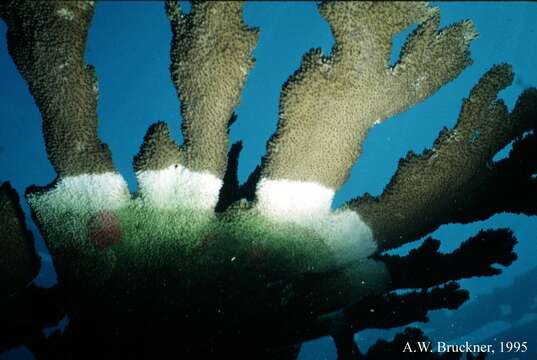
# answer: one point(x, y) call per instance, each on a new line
point(351, 180)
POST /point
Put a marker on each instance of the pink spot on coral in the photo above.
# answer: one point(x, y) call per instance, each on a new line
point(103, 229)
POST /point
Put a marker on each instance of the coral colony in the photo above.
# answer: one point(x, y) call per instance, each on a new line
point(195, 263)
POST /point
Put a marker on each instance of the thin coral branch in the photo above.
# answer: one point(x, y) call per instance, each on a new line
point(382, 311)
point(328, 105)
point(47, 40)
point(394, 310)
point(230, 191)
point(457, 180)
point(425, 266)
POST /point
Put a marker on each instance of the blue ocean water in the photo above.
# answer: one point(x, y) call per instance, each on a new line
point(129, 46)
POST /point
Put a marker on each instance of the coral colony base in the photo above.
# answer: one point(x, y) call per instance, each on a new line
point(253, 270)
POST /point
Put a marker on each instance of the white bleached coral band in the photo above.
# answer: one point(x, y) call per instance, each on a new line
point(178, 187)
point(85, 193)
point(346, 234)
point(292, 200)
point(309, 204)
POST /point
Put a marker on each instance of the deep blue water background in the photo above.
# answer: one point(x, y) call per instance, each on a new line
point(129, 46)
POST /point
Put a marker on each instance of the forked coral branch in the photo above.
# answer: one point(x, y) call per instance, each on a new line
point(329, 104)
point(453, 181)
point(254, 270)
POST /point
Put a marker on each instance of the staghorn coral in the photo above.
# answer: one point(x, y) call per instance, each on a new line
point(254, 270)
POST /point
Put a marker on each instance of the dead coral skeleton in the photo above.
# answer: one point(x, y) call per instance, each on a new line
point(254, 270)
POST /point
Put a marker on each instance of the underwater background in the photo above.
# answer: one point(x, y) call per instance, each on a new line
point(129, 46)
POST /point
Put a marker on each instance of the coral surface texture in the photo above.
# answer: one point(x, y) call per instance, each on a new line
point(196, 264)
